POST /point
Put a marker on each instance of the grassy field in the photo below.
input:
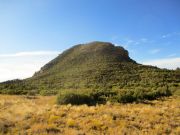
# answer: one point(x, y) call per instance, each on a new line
point(40, 115)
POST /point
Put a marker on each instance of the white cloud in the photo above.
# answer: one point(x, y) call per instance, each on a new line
point(171, 34)
point(130, 41)
point(137, 41)
point(23, 64)
point(154, 51)
point(165, 36)
point(35, 53)
point(172, 55)
point(169, 63)
point(144, 40)
point(133, 42)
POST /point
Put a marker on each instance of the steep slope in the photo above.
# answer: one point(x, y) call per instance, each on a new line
point(95, 65)
point(83, 64)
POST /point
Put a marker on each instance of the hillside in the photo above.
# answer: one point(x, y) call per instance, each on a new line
point(94, 65)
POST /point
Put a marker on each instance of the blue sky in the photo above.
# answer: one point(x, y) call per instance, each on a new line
point(38, 30)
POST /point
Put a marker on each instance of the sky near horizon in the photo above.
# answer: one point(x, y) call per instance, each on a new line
point(32, 32)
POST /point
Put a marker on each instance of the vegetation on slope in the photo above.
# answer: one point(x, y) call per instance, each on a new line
point(97, 66)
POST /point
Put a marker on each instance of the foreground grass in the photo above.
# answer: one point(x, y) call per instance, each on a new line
point(40, 115)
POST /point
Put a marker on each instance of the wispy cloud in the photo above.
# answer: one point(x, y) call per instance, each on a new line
point(23, 64)
point(33, 53)
point(132, 42)
point(169, 63)
point(166, 35)
point(140, 41)
point(172, 55)
point(144, 40)
point(129, 41)
point(154, 51)
point(171, 34)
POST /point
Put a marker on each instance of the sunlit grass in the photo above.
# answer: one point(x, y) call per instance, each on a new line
point(40, 115)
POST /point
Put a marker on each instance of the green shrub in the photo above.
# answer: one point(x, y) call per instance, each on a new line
point(92, 97)
point(48, 92)
point(13, 92)
point(140, 94)
point(177, 92)
point(102, 95)
point(124, 96)
point(32, 93)
point(74, 98)
point(163, 91)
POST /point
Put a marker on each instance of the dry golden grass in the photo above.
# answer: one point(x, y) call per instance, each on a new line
point(40, 115)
